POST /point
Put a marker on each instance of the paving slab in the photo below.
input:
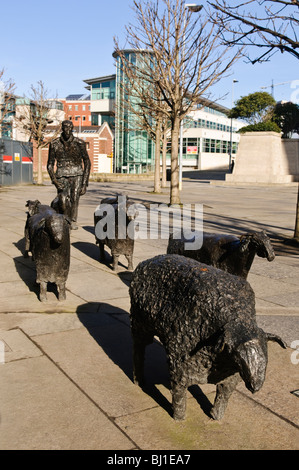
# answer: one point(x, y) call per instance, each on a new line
point(97, 357)
point(41, 409)
point(17, 345)
point(286, 326)
point(244, 427)
point(282, 378)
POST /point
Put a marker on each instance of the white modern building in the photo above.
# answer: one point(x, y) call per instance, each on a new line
point(210, 138)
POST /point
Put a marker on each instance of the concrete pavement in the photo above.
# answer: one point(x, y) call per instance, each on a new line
point(67, 372)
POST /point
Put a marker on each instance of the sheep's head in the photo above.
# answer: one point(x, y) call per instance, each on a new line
point(248, 348)
point(54, 225)
point(32, 206)
point(252, 359)
point(61, 203)
point(260, 242)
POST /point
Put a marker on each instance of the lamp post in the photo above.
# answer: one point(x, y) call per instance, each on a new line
point(194, 8)
point(231, 128)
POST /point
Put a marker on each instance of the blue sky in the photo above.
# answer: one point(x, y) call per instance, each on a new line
point(63, 42)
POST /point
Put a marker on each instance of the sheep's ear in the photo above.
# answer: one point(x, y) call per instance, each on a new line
point(68, 220)
point(224, 340)
point(244, 241)
point(41, 223)
point(277, 339)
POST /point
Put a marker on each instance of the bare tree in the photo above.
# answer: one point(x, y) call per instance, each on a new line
point(34, 115)
point(270, 25)
point(7, 89)
point(185, 60)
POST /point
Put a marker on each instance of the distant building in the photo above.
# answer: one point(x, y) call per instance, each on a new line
point(77, 109)
point(207, 136)
point(16, 122)
point(98, 138)
point(210, 138)
point(102, 105)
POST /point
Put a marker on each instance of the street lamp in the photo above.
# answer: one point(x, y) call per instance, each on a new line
point(193, 8)
point(231, 129)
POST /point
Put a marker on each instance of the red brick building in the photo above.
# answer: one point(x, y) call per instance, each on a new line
point(99, 144)
point(77, 109)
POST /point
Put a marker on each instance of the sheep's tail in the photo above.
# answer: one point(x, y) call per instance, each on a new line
point(277, 339)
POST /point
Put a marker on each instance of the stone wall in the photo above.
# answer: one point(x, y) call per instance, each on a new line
point(264, 157)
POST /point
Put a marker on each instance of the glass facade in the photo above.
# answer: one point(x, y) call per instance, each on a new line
point(134, 149)
point(218, 146)
point(193, 146)
point(103, 90)
point(205, 124)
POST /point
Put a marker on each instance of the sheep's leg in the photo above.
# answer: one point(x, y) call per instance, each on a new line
point(179, 401)
point(43, 291)
point(27, 243)
point(102, 251)
point(223, 392)
point(130, 262)
point(115, 262)
point(61, 291)
point(140, 341)
point(138, 361)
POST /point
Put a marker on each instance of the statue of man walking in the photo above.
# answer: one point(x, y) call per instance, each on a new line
point(72, 171)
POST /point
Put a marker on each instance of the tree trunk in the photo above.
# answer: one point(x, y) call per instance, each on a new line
point(157, 185)
point(39, 166)
point(164, 149)
point(296, 233)
point(174, 183)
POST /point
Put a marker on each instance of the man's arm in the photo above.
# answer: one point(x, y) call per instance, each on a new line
point(86, 169)
point(51, 164)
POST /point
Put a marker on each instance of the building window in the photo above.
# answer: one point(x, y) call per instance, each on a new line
point(218, 146)
point(83, 107)
point(76, 107)
point(83, 118)
point(103, 90)
point(94, 120)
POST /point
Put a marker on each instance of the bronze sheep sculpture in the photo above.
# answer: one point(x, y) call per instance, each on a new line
point(47, 237)
point(227, 252)
point(205, 319)
point(119, 245)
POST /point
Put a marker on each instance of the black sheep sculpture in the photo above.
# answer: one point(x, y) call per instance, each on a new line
point(205, 319)
point(47, 237)
point(227, 252)
point(118, 245)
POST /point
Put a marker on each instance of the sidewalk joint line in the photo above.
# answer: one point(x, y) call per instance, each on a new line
point(111, 419)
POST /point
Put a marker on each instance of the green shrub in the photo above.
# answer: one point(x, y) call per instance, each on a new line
point(261, 127)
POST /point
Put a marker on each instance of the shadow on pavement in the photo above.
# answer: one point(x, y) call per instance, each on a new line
point(110, 328)
point(205, 176)
point(92, 250)
point(25, 268)
point(89, 249)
